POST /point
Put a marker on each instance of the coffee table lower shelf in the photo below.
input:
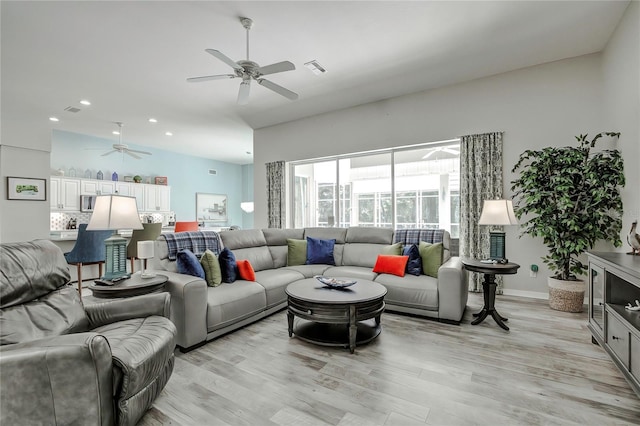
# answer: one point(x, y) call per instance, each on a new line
point(336, 335)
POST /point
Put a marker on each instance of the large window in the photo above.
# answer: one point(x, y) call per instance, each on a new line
point(416, 187)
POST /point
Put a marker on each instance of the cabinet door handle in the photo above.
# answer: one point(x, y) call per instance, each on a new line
point(616, 338)
point(600, 303)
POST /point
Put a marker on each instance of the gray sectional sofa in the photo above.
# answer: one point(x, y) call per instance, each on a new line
point(202, 313)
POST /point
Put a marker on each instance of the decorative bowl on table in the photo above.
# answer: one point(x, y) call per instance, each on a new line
point(334, 282)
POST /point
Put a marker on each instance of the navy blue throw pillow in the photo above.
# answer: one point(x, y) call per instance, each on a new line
point(414, 265)
point(320, 251)
point(189, 264)
point(228, 265)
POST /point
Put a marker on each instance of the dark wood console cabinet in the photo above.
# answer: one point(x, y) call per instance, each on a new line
point(614, 281)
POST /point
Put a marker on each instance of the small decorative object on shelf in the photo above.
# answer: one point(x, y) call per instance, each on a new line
point(128, 178)
point(137, 179)
point(161, 180)
point(100, 175)
point(114, 177)
point(72, 172)
point(87, 174)
point(630, 307)
point(60, 171)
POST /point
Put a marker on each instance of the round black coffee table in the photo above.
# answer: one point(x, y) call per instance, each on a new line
point(134, 286)
point(329, 310)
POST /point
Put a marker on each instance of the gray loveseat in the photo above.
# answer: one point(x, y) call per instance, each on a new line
point(202, 313)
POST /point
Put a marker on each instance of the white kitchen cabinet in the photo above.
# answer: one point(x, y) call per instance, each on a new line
point(64, 194)
point(97, 187)
point(157, 198)
point(132, 190)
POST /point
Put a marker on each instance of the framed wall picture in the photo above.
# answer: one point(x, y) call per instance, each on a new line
point(161, 180)
point(211, 207)
point(31, 189)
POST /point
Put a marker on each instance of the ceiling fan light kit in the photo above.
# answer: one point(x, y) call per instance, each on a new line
point(248, 70)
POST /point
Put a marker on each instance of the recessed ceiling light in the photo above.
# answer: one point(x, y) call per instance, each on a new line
point(168, 133)
point(85, 102)
point(153, 120)
point(54, 119)
point(115, 132)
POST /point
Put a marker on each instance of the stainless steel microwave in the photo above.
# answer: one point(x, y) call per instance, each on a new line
point(87, 202)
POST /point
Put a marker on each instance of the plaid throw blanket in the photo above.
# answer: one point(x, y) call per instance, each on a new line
point(197, 242)
point(414, 236)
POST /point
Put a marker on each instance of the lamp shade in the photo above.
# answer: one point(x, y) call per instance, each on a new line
point(247, 206)
point(498, 212)
point(145, 249)
point(114, 212)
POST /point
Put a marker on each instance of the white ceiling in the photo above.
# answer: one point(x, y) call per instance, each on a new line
point(131, 59)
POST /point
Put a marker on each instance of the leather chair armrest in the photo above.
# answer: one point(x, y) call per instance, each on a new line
point(60, 380)
point(453, 290)
point(188, 307)
point(114, 310)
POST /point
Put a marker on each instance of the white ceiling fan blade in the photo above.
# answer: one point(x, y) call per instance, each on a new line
point(109, 153)
point(128, 152)
point(224, 58)
point(277, 67)
point(243, 93)
point(139, 152)
point(278, 89)
point(210, 77)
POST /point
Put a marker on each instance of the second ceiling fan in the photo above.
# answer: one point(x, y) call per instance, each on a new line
point(249, 70)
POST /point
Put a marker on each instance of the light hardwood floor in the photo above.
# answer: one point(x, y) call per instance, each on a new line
point(544, 371)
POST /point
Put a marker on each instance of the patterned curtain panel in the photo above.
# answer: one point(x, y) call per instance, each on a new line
point(480, 179)
point(276, 194)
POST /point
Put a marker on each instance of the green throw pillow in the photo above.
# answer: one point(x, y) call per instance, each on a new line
point(431, 255)
point(297, 253)
point(211, 266)
point(393, 249)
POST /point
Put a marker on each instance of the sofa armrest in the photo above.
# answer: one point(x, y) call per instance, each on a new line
point(453, 290)
point(115, 310)
point(59, 380)
point(188, 307)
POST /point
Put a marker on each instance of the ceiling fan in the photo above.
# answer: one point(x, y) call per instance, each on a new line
point(123, 148)
point(248, 70)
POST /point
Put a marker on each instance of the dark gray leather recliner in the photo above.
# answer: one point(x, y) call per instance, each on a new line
point(65, 363)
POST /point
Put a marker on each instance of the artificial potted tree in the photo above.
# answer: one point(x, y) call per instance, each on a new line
point(570, 198)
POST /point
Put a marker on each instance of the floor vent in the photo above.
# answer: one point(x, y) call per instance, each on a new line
point(213, 172)
point(72, 109)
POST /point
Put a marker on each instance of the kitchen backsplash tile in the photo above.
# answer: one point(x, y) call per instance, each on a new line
point(60, 220)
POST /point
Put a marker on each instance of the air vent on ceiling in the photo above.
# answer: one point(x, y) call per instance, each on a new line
point(72, 109)
point(213, 172)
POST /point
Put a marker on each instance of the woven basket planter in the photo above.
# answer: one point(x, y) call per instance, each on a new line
point(566, 296)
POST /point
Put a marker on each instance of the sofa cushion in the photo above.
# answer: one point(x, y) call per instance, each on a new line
point(320, 251)
point(356, 272)
point(414, 236)
point(414, 265)
point(211, 266)
point(365, 234)
point(338, 234)
point(279, 237)
point(296, 252)
point(363, 254)
point(230, 303)
point(275, 281)
point(279, 255)
point(260, 257)
point(431, 255)
point(392, 249)
point(228, 265)
point(390, 264)
point(243, 238)
point(410, 291)
point(189, 264)
point(245, 270)
point(308, 271)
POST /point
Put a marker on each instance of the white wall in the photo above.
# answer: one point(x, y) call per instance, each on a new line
point(535, 107)
point(621, 88)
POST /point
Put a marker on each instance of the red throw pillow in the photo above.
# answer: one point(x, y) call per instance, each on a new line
point(245, 270)
point(391, 264)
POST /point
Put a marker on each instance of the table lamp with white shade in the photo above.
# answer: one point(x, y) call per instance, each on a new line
point(115, 212)
point(145, 252)
point(497, 213)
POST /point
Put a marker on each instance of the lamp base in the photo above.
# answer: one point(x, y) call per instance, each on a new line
point(147, 274)
point(497, 246)
point(116, 259)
